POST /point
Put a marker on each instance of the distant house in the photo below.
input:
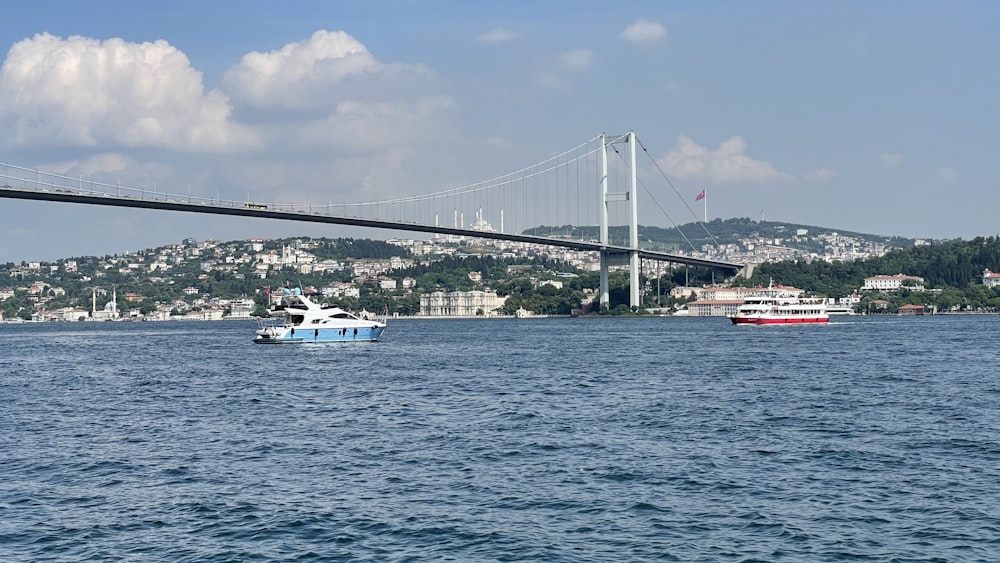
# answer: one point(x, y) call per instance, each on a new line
point(990, 279)
point(912, 310)
point(880, 305)
point(684, 292)
point(893, 283)
point(713, 307)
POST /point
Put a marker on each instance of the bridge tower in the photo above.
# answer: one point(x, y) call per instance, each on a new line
point(618, 257)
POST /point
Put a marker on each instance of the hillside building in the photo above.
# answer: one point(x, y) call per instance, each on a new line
point(460, 303)
point(893, 283)
point(990, 279)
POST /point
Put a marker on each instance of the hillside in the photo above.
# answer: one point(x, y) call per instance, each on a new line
point(721, 231)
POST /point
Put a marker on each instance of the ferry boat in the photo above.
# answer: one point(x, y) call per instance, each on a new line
point(777, 305)
point(300, 320)
point(844, 310)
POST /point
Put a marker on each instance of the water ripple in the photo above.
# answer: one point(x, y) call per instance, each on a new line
point(554, 440)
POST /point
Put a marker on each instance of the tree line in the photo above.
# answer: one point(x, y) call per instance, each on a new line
point(952, 272)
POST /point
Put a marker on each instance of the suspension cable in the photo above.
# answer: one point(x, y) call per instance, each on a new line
point(662, 210)
point(671, 184)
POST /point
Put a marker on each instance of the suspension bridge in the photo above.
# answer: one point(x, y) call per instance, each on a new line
point(581, 193)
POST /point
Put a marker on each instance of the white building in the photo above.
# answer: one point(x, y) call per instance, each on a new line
point(71, 314)
point(341, 290)
point(851, 300)
point(739, 293)
point(202, 315)
point(460, 303)
point(892, 283)
point(110, 311)
point(685, 292)
point(990, 279)
point(241, 308)
point(713, 307)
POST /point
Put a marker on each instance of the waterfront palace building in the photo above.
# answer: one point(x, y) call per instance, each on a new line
point(460, 303)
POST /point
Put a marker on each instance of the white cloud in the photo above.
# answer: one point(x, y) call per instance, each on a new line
point(290, 76)
point(320, 116)
point(821, 174)
point(320, 73)
point(329, 92)
point(101, 171)
point(948, 174)
point(643, 31)
point(372, 125)
point(727, 164)
point(576, 60)
point(94, 165)
point(892, 160)
point(552, 82)
point(553, 78)
point(497, 36)
point(88, 92)
point(501, 143)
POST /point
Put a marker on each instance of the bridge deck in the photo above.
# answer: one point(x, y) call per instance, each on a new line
point(176, 203)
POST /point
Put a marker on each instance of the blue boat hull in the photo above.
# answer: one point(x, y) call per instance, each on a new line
point(323, 335)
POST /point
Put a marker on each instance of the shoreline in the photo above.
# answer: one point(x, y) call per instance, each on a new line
point(494, 318)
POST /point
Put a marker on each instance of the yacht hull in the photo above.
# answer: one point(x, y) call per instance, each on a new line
point(306, 335)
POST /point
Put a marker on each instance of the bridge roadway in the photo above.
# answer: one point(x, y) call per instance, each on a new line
point(176, 203)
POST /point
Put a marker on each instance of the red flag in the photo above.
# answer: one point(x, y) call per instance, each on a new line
point(700, 196)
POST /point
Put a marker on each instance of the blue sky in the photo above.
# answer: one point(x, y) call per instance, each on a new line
point(879, 117)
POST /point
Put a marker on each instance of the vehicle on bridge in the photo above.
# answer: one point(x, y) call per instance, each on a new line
point(300, 320)
point(257, 206)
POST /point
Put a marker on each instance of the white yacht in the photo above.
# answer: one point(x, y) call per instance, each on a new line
point(300, 320)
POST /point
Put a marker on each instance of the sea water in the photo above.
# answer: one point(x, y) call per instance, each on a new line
point(641, 439)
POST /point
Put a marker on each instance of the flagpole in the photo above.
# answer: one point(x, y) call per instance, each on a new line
point(705, 201)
